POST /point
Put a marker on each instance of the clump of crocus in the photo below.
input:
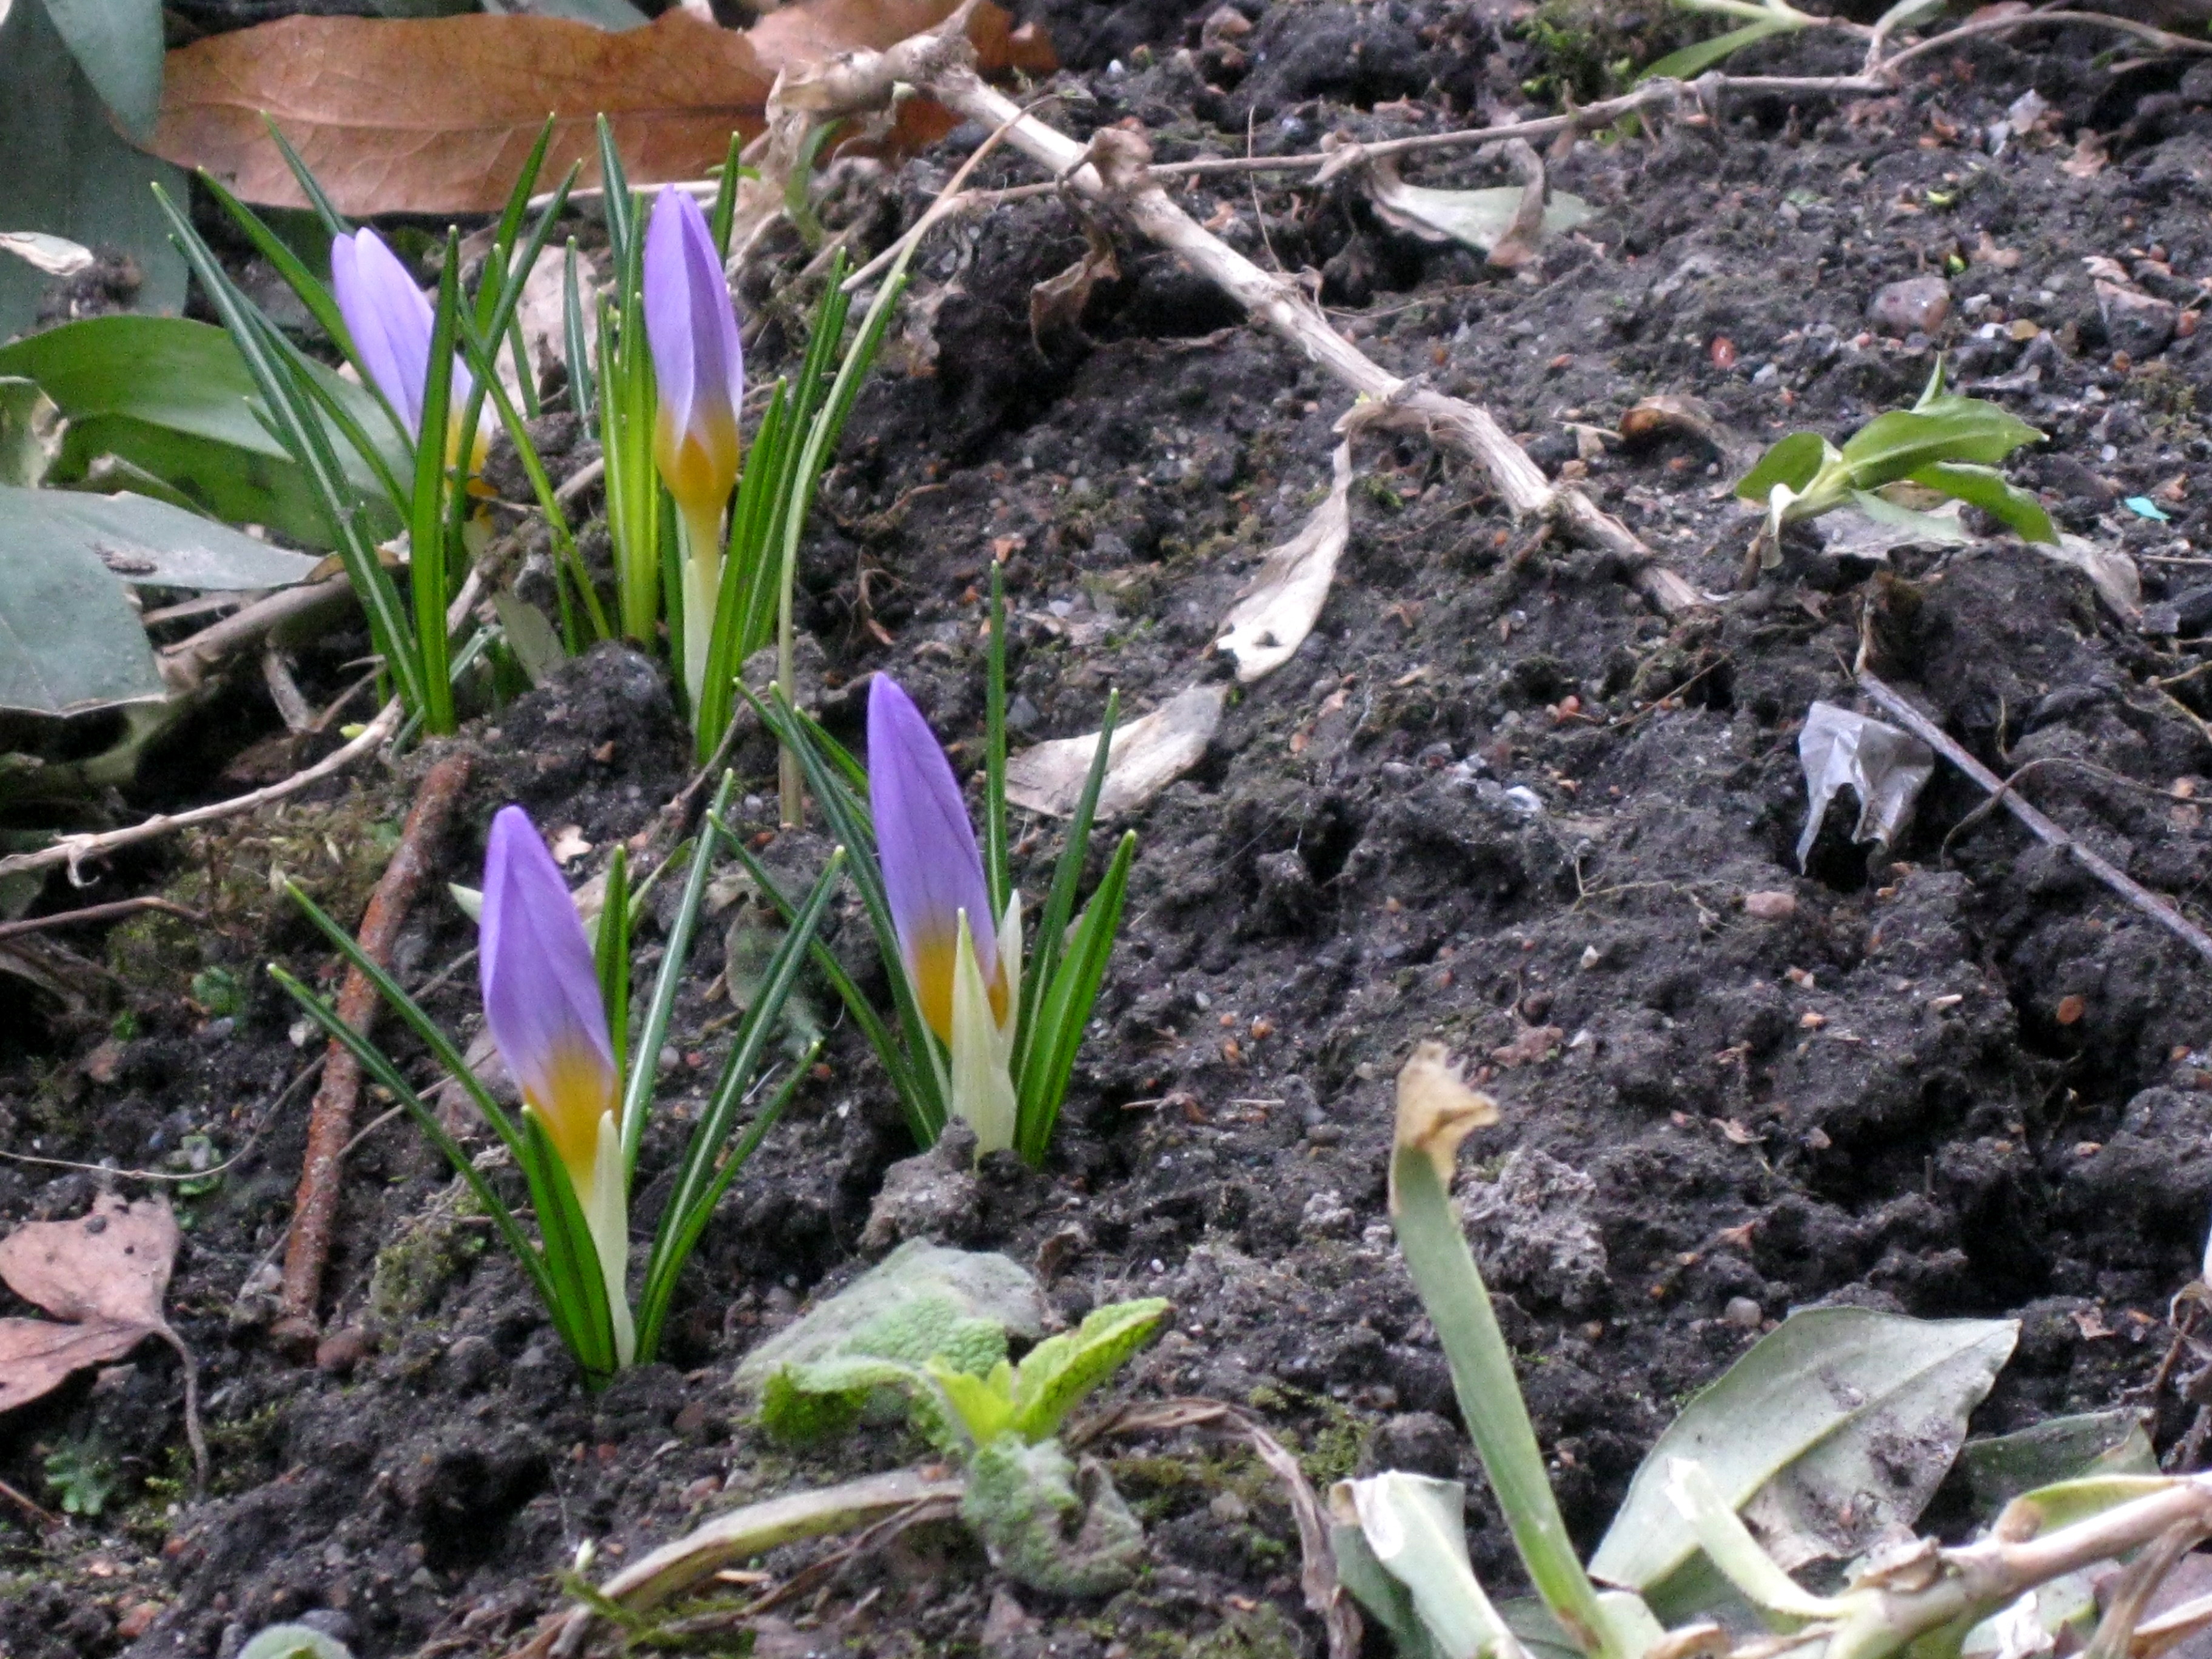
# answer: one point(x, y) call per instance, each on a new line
point(981, 1033)
point(692, 330)
point(542, 1001)
point(966, 974)
point(558, 1008)
point(392, 323)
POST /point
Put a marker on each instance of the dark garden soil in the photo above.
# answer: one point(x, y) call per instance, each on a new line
point(1493, 799)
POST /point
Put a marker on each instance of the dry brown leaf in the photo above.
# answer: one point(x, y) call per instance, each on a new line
point(1057, 304)
point(1530, 1045)
point(1147, 755)
point(1281, 603)
point(437, 115)
point(102, 1276)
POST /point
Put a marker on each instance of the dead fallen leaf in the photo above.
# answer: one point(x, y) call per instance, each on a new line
point(1530, 1044)
point(1147, 755)
point(436, 115)
point(2089, 158)
point(1885, 768)
point(102, 1277)
point(1057, 304)
point(1281, 603)
point(1504, 223)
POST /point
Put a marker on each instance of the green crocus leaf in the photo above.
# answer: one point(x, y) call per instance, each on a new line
point(1693, 61)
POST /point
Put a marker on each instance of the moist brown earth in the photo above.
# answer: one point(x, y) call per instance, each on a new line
point(1493, 799)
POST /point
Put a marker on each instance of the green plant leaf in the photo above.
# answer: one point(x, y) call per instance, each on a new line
point(1055, 1375)
point(1434, 1112)
point(153, 543)
point(1415, 1529)
point(117, 44)
point(294, 1642)
point(825, 1398)
point(2000, 1467)
point(1820, 1411)
point(174, 397)
point(1900, 443)
point(31, 432)
point(66, 171)
point(1793, 461)
point(69, 640)
point(1693, 61)
point(1986, 488)
point(984, 1404)
point(1898, 525)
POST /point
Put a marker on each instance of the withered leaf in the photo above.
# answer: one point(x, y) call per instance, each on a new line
point(436, 115)
point(102, 1276)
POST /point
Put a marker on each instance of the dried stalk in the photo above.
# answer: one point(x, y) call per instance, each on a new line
point(2165, 912)
point(330, 1124)
point(1115, 171)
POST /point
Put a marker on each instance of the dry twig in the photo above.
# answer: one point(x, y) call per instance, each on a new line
point(91, 913)
point(1115, 171)
point(2164, 911)
point(330, 1124)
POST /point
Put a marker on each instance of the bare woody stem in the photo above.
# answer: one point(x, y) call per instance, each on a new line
point(1115, 171)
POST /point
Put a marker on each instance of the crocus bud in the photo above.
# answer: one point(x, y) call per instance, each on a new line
point(541, 998)
point(700, 370)
point(391, 321)
point(933, 870)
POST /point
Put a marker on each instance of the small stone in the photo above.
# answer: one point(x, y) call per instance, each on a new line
point(1770, 906)
point(341, 1351)
point(1229, 1509)
point(1918, 305)
point(2138, 326)
point(1743, 1312)
point(137, 1619)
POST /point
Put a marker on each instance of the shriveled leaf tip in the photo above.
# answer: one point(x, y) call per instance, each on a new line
point(1435, 1109)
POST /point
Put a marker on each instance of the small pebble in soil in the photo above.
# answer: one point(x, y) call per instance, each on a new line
point(1918, 305)
point(1742, 1311)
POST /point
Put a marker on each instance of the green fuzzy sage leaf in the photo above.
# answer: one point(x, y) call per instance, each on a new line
point(1057, 1373)
point(294, 1642)
point(1801, 1429)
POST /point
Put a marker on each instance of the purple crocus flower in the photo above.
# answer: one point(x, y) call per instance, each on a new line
point(701, 372)
point(391, 321)
point(926, 846)
point(701, 368)
point(541, 998)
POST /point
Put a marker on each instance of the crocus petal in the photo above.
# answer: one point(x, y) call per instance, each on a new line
point(389, 318)
point(541, 994)
point(692, 330)
point(981, 1086)
point(606, 1204)
point(932, 869)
